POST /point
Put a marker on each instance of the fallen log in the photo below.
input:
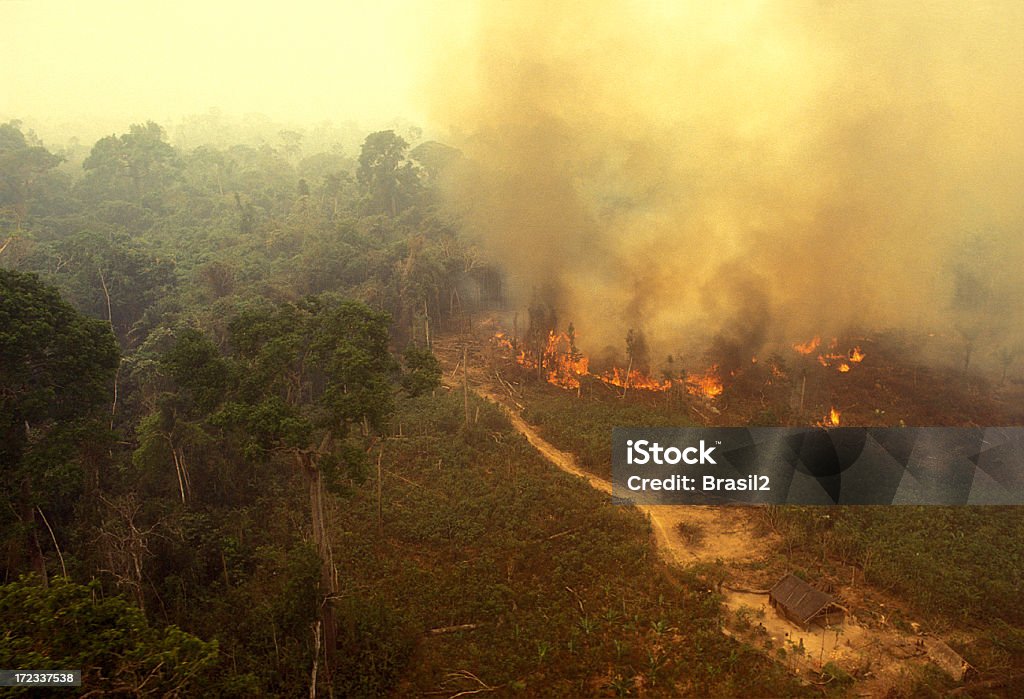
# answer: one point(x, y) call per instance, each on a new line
point(746, 590)
point(453, 629)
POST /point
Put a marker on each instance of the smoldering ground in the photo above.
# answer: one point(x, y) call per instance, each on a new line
point(760, 173)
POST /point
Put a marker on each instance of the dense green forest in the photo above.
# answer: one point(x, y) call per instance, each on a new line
point(231, 467)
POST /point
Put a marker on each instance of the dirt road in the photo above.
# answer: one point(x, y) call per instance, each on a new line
point(728, 536)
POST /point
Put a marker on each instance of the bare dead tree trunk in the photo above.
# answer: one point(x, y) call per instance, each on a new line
point(181, 470)
point(380, 507)
point(327, 577)
point(110, 321)
point(426, 323)
point(465, 382)
point(316, 660)
point(106, 295)
point(307, 462)
point(113, 405)
point(53, 538)
point(126, 545)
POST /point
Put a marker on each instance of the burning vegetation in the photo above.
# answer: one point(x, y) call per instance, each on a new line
point(833, 382)
point(562, 364)
point(841, 361)
point(830, 420)
point(889, 208)
point(708, 385)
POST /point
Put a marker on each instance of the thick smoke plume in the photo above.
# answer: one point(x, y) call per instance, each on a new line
point(759, 173)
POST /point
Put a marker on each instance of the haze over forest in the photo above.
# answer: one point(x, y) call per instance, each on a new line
point(804, 166)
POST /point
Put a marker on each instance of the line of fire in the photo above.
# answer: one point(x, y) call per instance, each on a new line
point(858, 379)
point(562, 364)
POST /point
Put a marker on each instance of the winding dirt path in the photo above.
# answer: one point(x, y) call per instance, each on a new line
point(562, 459)
point(728, 535)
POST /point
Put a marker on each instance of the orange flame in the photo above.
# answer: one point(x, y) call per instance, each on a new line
point(634, 379)
point(828, 359)
point(502, 341)
point(809, 346)
point(564, 367)
point(709, 385)
point(830, 420)
point(565, 363)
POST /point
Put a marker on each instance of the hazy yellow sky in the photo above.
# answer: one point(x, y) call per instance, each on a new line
point(122, 62)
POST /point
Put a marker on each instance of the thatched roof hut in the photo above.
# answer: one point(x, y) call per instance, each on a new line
point(804, 605)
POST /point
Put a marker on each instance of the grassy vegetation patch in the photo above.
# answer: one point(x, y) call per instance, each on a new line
point(954, 567)
point(507, 573)
point(584, 427)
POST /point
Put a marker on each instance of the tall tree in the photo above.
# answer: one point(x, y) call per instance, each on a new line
point(56, 374)
point(388, 180)
point(314, 370)
point(22, 162)
point(132, 165)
